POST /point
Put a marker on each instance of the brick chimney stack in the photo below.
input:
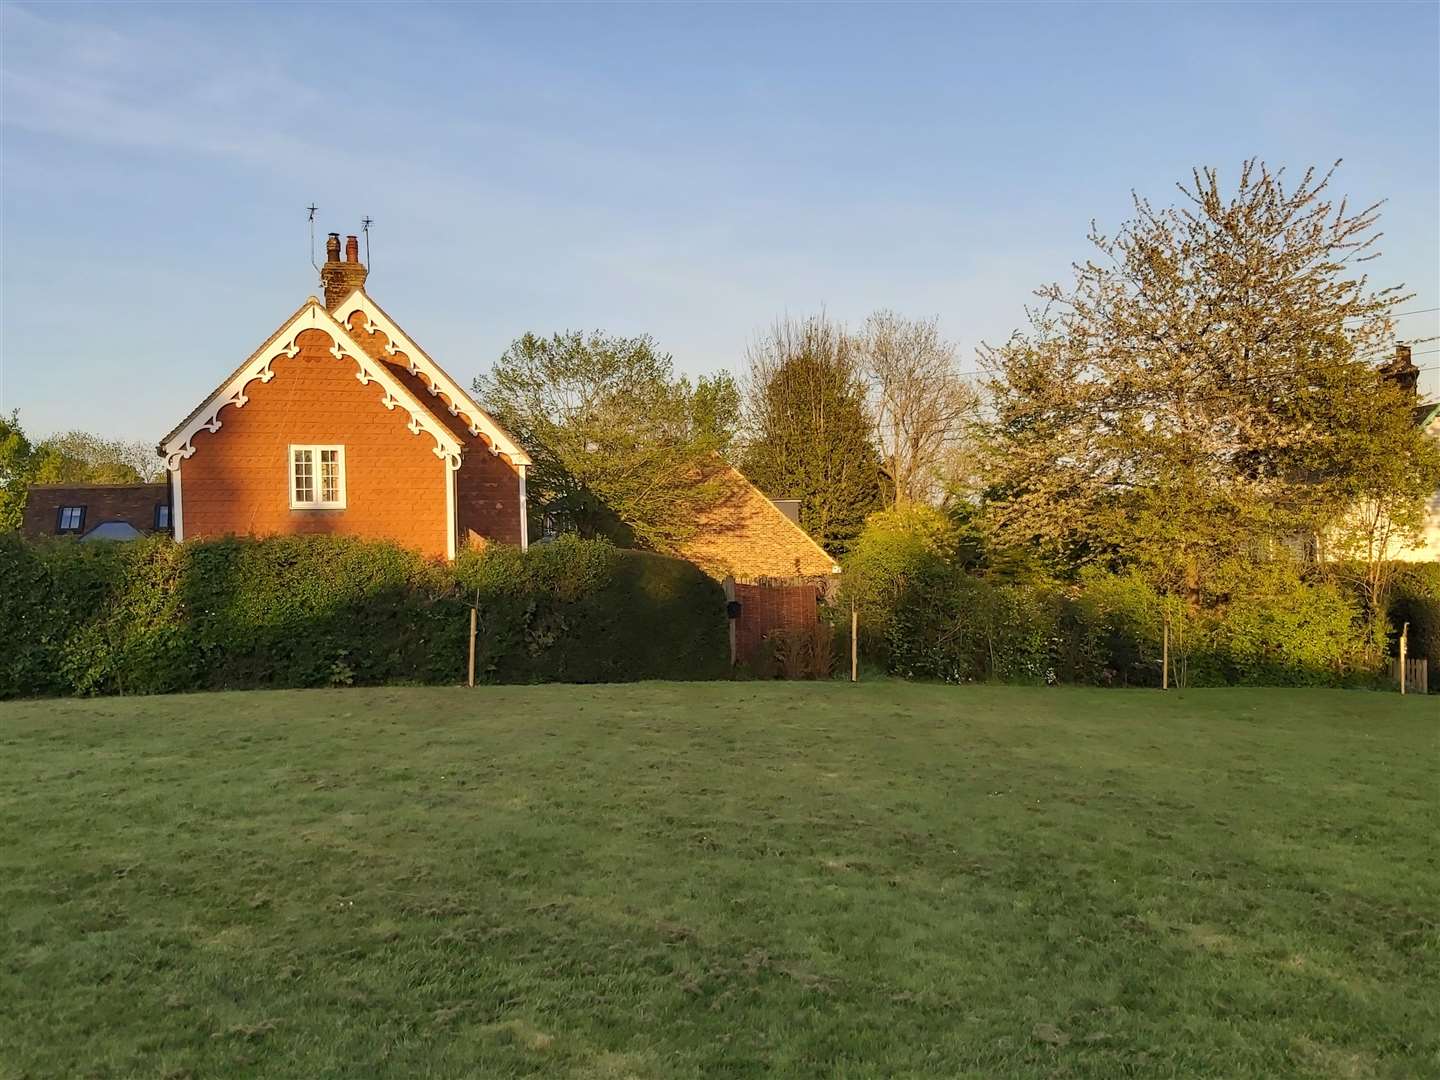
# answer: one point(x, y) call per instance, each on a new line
point(339, 278)
point(1402, 370)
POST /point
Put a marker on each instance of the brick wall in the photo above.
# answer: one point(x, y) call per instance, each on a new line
point(131, 503)
point(238, 480)
point(764, 608)
point(487, 496)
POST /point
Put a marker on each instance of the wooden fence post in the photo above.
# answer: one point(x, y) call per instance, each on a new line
point(854, 643)
point(1404, 641)
point(1165, 654)
point(729, 586)
point(473, 617)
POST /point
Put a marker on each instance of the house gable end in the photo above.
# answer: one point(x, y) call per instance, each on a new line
point(437, 381)
point(179, 444)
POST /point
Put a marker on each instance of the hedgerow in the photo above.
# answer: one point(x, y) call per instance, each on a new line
point(1415, 599)
point(153, 617)
point(1262, 623)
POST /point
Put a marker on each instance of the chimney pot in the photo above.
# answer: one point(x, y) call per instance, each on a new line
point(341, 278)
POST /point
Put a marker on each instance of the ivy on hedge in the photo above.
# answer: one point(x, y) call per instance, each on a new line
point(152, 616)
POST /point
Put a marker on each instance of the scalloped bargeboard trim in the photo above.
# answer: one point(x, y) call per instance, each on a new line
point(342, 347)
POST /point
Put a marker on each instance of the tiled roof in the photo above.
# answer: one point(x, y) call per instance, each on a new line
point(744, 535)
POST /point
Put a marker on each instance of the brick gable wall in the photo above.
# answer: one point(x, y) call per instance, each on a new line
point(487, 497)
point(237, 482)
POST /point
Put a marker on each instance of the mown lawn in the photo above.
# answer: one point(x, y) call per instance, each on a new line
point(725, 879)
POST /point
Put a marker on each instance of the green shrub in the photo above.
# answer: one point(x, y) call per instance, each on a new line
point(152, 616)
point(896, 549)
point(1270, 625)
point(1415, 598)
point(1112, 631)
point(956, 627)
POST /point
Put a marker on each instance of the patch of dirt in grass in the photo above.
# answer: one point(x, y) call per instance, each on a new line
point(1333, 1061)
point(232, 938)
point(674, 933)
point(755, 961)
point(521, 1034)
point(1050, 1035)
point(1210, 939)
point(811, 981)
point(249, 1032)
point(613, 1066)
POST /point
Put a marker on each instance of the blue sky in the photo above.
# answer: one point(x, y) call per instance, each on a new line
point(687, 171)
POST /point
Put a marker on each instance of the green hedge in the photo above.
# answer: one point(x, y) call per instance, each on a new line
point(1272, 625)
point(154, 617)
point(1415, 598)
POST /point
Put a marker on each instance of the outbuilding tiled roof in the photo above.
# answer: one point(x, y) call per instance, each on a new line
point(746, 536)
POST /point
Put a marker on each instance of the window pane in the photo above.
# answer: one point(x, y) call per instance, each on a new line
point(304, 476)
point(330, 475)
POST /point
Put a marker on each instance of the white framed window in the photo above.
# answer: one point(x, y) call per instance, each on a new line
point(317, 477)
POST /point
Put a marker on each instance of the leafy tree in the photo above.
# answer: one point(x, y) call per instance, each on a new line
point(75, 457)
point(715, 410)
point(1370, 475)
point(1205, 389)
point(895, 549)
point(618, 441)
point(79, 457)
point(811, 435)
point(16, 469)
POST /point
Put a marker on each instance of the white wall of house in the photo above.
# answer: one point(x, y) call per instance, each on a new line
point(1427, 547)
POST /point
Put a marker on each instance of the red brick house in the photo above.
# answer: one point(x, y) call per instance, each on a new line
point(340, 423)
point(96, 511)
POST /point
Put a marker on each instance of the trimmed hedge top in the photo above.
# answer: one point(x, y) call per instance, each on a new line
point(152, 616)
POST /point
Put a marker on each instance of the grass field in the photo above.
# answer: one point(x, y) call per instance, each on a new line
point(724, 879)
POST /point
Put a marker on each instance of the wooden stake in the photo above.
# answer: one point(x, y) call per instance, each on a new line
point(1404, 641)
point(729, 586)
point(1165, 656)
point(473, 617)
point(854, 643)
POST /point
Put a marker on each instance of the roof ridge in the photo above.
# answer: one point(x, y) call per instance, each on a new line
point(775, 510)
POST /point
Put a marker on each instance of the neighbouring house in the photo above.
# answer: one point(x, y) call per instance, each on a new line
point(749, 537)
point(1402, 371)
point(340, 423)
point(1427, 547)
point(96, 511)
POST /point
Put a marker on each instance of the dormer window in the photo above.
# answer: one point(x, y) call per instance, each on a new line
point(317, 477)
point(71, 519)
